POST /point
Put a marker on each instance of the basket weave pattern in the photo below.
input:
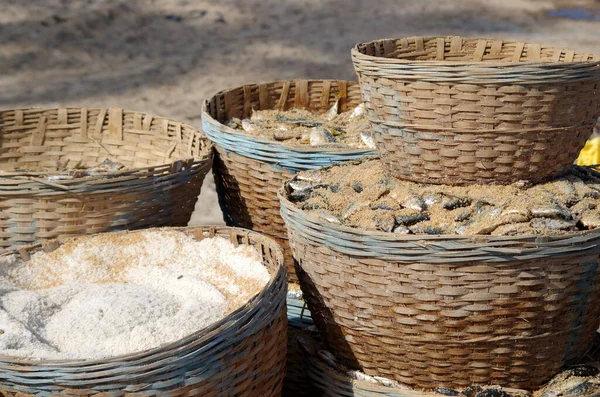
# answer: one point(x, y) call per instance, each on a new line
point(447, 311)
point(242, 354)
point(249, 170)
point(458, 111)
point(165, 165)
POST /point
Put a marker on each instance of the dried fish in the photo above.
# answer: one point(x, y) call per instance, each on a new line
point(471, 391)
point(583, 389)
point(582, 370)
point(283, 136)
point(401, 229)
point(358, 187)
point(354, 208)
point(250, 127)
point(357, 112)
point(311, 176)
point(329, 217)
point(301, 185)
point(320, 136)
point(552, 224)
point(105, 167)
point(234, 123)
point(463, 215)
point(556, 212)
point(446, 392)
point(411, 218)
point(384, 221)
point(492, 392)
point(414, 203)
point(432, 199)
point(368, 140)
point(512, 229)
point(333, 111)
point(452, 203)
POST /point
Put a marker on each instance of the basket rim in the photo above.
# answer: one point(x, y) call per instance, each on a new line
point(206, 152)
point(195, 339)
point(391, 237)
point(224, 130)
point(355, 52)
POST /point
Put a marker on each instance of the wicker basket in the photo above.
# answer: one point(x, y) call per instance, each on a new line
point(458, 111)
point(432, 311)
point(328, 379)
point(242, 354)
point(249, 170)
point(165, 165)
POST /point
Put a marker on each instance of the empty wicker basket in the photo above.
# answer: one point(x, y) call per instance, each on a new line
point(448, 311)
point(457, 110)
point(249, 170)
point(242, 354)
point(48, 190)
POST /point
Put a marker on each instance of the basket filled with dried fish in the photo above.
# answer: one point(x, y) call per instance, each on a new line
point(74, 171)
point(448, 286)
point(265, 133)
point(328, 376)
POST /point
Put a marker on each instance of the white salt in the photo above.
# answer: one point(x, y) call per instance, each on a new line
point(111, 295)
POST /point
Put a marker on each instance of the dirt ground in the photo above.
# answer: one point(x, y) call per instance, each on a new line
point(166, 56)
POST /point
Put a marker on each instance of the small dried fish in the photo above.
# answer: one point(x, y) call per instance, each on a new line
point(301, 185)
point(250, 127)
point(582, 370)
point(357, 112)
point(329, 217)
point(401, 229)
point(354, 208)
point(311, 176)
point(493, 392)
point(385, 222)
point(432, 199)
point(368, 139)
point(283, 135)
point(333, 110)
point(105, 167)
point(446, 392)
point(552, 224)
point(452, 202)
point(358, 187)
point(411, 219)
point(471, 391)
point(556, 212)
point(586, 388)
point(320, 136)
point(463, 215)
point(414, 203)
point(234, 123)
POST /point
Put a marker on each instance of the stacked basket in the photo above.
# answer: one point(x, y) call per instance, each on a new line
point(452, 311)
point(249, 170)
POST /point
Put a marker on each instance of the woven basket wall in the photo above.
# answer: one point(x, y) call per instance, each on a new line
point(165, 165)
point(433, 311)
point(242, 354)
point(249, 170)
point(458, 111)
point(328, 379)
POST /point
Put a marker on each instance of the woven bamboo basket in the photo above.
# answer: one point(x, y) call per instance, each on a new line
point(327, 378)
point(459, 110)
point(433, 311)
point(249, 170)
point(44, 196)
point(243, 354)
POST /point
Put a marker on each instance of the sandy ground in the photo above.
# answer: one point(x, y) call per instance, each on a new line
point(166, 56)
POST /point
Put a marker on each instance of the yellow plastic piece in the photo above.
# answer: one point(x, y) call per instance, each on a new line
point(590, 154)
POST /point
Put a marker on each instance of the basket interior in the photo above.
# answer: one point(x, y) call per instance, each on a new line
point(46, 140)
point(314, 95)
point(459, 49)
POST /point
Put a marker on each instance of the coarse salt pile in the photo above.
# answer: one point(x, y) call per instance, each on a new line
point(113, 294)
